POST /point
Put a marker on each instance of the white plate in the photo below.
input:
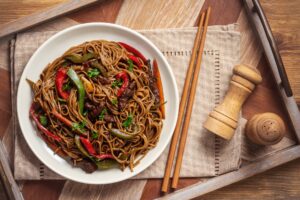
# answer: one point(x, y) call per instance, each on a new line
point(55, 47)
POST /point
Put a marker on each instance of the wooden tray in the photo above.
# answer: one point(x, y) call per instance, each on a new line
point(261, 101)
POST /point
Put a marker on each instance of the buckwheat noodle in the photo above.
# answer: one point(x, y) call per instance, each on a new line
point(145, 123)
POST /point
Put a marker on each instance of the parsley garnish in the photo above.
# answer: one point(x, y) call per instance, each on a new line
point(114, 101)
point(85, 113)
point(93, 72)
point(95, 135)
point(43, 120)
point(102, 114)
point(79, 126)
point(117, 83)
point(66, 86)
point(128, 121)
point(130, 63)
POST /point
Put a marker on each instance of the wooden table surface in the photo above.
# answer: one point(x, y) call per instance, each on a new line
point(279, 183)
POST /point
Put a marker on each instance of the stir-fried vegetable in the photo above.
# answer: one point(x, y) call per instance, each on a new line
point(95, 135)
point(77, 58)
point(43, 120)
point(97, 65)
point(117, 83)
point(136, 61)
point(156, 74)
point(75, 126)
point(81, 92)
point(114, 101)
point(102, 114)
point(133, 50)
point(90, 149)
point(87, 84)
point(88, 146)
point(60, 78)
point(124, 77)
point(128, 121)
point(121, 134)
point(106, 164)
point(93, 72)
point(80, 147)
point(130, 67)
point(41, 127)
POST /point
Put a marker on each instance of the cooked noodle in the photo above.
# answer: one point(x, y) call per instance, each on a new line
point(140, 111)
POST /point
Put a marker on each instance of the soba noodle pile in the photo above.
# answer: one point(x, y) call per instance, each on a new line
point(119, 130)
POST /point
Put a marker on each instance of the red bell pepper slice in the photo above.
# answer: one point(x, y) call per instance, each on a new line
point(133, 50)
point(124, 77)
point(61, 76)
point(89, 147)
point(41, 127)
point(135, 60)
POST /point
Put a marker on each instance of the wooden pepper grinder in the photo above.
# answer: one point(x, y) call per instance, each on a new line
point(223, 119)
point(265, 129)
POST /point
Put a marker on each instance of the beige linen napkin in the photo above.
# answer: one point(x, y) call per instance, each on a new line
point(205, 154)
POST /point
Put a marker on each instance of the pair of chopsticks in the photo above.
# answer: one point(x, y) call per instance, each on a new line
point(187, 100)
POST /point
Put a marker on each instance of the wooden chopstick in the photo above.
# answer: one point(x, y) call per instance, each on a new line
point(182, 107)
point(42, 16)
point(190, 104)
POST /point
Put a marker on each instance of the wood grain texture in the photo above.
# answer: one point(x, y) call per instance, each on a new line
point(42, 189)
point(129, 189)
point(5, 102)
point(42, 16)
point(280, 183)
point(284, 20)
point(229, 178)
point(11, 11)
point(146, 14)
point(106, 11)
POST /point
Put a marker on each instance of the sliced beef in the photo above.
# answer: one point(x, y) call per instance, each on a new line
point(109, 118)
point(101, 79)
point(94, 110)
point(127, 94)
point(153, 83)
point(87, 166)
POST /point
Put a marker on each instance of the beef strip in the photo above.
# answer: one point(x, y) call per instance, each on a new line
point(87, 166)
point(101, 79)
point(94, 111)
point(127, 94)
point(152, 83)
point(109, 118)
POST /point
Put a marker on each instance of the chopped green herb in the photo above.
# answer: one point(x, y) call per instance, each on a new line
point(93, 72)
point(130, 63)
point(85, 113)
point(102, 114)
point(43, 120)
point(95, 135)
point(128, 121)
point(79, 126)
point(66, 86)
point(117, 83)
point(114, 101)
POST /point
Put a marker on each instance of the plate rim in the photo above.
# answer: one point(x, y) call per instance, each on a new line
point(73, 28)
